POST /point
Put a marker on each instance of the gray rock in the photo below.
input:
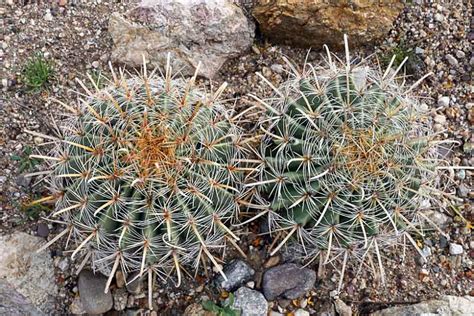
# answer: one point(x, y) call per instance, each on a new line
point(426, 251)
point(441, 119)
point(13, 303)
point(443, 101)
point(445, 306)
point(419, 50)
point(463, 190)
point(439, 17)
point(342, 308)
point(42, 230)
point(48, 16)
point(29, 273)
point(250, 302)
point(460, 54)
point(287, 280)
point(455, 249)
point(23, 181)
point(237, 272)
point(191, 31)
point(134, 284)
point(91, 290)
point(301, 312)
point(452, 60)
point(120, 299)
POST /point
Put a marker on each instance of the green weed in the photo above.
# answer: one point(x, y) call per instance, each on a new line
point(25, 162)
point(37, 73)
point(224, 310)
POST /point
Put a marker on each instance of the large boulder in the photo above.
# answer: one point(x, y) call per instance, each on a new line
point(191, 31)
point(318, 22)
point(13, 303)
point(29, 273)
point(445, 306)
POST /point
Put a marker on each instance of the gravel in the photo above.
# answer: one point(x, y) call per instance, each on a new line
point(75, 39)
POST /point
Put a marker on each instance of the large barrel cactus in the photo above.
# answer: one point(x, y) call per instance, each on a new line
point(145, 174)
point(345, 161)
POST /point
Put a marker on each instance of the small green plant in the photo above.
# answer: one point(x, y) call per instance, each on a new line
point(25, 162)
point(224, 310)
point(37, 73)
point(402, 54)
point(97, 79)
point(33, 210)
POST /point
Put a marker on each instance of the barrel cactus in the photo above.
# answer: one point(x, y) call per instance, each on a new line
point(145, 174)
point(346, 161)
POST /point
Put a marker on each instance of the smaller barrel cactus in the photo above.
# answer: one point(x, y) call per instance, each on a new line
point(346, 161)
point(145, 175)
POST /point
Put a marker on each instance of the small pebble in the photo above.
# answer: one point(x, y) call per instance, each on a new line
point(42, 230)
point(48, 16)
point(455, 249)
point(440, 119)
point(301, 312)
point(443, 101)
point(451, 60)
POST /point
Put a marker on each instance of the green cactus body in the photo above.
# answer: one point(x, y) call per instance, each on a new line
point(146, 175)
point(344, 157)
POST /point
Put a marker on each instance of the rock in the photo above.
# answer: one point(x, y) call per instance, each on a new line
point(238, 272)
point(419, 50)
point(440, 219)
point(426, 251)
point(42, 230)
point(23, 181)
point(314, 23)
point(463, 190)
point(455, 249)
point(119, 279)
point(63, 264)
point(452, 60)
point(76, 307)
point(91, 289)
point(443, 101)
point(440, 119)
point(445, 306)
point(288, 280)
point(13, 303)
point(134, 283)
point(29, 273)
point(48, 16)
point(191, 31)
point(460, 54)
point(439, 17)
point(250, 302)
point(301, 312)
point(120, 299)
